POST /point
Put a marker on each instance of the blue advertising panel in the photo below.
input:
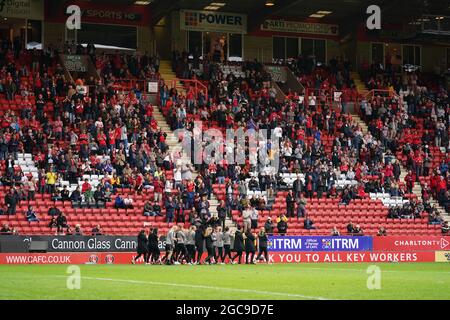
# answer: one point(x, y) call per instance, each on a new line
point(319, 243)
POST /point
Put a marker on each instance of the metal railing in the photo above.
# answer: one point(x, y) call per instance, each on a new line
point(188, 84)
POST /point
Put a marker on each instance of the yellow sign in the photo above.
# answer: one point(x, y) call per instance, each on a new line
point(442, 256)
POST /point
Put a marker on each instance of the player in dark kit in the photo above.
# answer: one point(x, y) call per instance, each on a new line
point(141, 246)
point(153, 248)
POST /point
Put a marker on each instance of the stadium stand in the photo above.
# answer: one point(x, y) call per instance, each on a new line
point(374, 156)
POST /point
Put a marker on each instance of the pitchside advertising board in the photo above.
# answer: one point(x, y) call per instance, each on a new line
point(287, 249)
point(296, 243)
point(411, 243)
point(274, 257)
point(74, 243)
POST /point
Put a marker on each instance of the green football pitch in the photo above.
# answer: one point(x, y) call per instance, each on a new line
point(278, 281)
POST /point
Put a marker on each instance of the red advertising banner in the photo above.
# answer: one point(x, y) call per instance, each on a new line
point(405, 243)
point(349, 257)
point(96, 13)
point(274, 257)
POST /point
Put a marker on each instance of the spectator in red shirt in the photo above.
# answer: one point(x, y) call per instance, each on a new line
point(86, 190)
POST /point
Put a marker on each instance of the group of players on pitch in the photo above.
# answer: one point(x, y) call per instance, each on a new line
point(187, 246)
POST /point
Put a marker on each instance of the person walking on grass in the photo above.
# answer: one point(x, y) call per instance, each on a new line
point(181, 246)
point(249, 247)
point(142, 249)
point(153, 248)
point(218, 245)
point(262, 246)
point(209, 245)
point(238, 245)
point(226, 236)
point(190, 243)
point(199, 244)
point(170, 242)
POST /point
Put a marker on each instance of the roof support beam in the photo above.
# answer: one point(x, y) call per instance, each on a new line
point(159, 8)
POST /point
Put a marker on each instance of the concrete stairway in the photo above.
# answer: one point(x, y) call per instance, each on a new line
point(165, 69)
point(172, 140)
point(360, 86)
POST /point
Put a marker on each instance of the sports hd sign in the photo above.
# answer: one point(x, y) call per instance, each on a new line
point(213, 21)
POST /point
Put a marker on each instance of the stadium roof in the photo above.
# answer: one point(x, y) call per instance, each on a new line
point(346, 13)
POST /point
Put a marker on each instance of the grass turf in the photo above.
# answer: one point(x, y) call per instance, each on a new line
point(278, 281)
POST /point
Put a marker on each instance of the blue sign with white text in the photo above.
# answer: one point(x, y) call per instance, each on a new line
point(319, 243)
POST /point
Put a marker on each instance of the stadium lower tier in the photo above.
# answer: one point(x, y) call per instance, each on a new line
point(369, 214)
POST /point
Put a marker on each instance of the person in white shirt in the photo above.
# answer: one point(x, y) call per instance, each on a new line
point(128, 202)
point(247, 216)
point(254, 217)
point(99, 124)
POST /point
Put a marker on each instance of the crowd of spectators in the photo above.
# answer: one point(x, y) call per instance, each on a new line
point(113, 134)
point(414, 124)
point(369, 158)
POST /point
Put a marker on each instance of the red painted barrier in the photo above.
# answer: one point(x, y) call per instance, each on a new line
point(405, 243)
point(275, 257)
point(340, 257)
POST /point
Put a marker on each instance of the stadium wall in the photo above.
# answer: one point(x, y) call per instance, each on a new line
point(274, 257)
point(53, 33)
point(178, 36)
point(434, 58)
point(287, 249)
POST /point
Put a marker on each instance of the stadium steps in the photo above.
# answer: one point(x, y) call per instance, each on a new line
point(360, 86)
point(182, 158)
point(172, 140)
point(166, 72)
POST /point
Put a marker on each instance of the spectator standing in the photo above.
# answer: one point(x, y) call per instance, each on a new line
point(247, 218)
point(249, 247)
point(153, 247)
point(11, 201)
point(262, 246)
point(142, 249)
point(238, 245)
point(282, 225)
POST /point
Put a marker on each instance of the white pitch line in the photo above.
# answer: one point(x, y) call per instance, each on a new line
point(363, 270)
point(281, 294)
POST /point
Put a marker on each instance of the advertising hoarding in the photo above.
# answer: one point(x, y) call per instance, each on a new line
point(319, 243)
point(416, 243)
point(212, 21)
